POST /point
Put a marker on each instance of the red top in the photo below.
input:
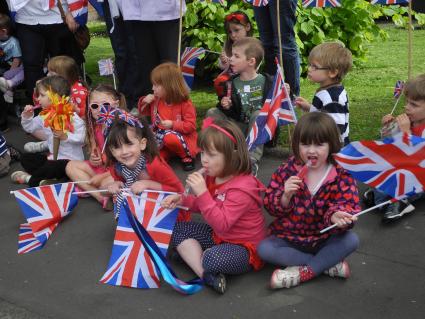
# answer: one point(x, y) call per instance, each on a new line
point(183, 116)
point(234, 212)
point(159, 171)
point(418, 130)
point(79, 96)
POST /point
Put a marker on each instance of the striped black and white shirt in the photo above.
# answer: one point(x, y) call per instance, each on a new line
point(334, 101)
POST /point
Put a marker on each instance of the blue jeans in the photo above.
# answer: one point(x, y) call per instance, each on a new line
point(267, 26)
point(280, 252)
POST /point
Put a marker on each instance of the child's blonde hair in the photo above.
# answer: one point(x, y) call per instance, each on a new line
point(55, 84)
point(170, 77)
point(316, 128)
point(236, 154)
point(237, 17)
point(252, 49)
point(414, 89)
point(64, 66)
point(332, 55)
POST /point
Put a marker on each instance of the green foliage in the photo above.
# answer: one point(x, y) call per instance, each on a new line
point(353, 24)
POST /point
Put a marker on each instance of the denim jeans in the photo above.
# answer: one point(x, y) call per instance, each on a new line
point(267, 26)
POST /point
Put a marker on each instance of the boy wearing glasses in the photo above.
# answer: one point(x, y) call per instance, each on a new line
point(328, 64)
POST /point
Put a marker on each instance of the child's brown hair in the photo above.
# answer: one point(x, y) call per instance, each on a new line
point(170, 77)
point(414, 89)
point(55, 84)
point(316, 128)
point(237, 17)
point(5, 23)
point(236, 154)
point(118, 136)
point(252, 49)
point(64, 66)
point(332, 55)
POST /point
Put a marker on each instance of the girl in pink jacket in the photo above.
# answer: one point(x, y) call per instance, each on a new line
point(229, 199)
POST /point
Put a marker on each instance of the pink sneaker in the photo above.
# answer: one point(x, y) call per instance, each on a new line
point(341, 270)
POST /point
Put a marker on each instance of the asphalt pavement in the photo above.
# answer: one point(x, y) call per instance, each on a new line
point(62, 279)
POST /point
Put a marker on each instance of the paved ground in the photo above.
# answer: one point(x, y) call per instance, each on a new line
point(62, 280)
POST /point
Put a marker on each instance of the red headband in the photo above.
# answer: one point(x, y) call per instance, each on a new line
point(237, 16)
point(209, 122)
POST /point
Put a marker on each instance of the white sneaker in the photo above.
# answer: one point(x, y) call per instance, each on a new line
point(36, 147)
point(341, 270)
point(285, 278)
point(3, 85)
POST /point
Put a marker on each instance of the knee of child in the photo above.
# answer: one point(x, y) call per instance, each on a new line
point(351, 241)
point(264, 249)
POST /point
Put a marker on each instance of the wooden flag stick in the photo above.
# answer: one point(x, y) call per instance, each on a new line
point(395, 105)
point(410, 42)
point(179, 46)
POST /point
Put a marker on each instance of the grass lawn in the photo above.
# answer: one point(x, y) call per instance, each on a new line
point(369, 85)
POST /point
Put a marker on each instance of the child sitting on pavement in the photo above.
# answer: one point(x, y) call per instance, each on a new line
point(329, 62)
point(248, 91)
point(411, 122)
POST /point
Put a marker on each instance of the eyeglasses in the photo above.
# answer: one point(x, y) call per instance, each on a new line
point(237, 16)
point(94, 106)
point(314, 67)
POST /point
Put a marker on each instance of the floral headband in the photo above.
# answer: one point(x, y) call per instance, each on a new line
point(209, 122)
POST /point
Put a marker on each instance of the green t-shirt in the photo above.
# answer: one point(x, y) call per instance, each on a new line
point(251, 94)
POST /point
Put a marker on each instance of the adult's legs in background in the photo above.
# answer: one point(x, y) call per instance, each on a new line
point(267, 26)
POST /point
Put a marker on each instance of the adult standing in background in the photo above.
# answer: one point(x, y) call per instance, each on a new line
point(155, 28)
point(41, 31)
point(122, 42)
point(266, 17)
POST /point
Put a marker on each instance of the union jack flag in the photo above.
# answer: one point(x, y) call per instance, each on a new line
point(395, 165)
point(388, 1)
point(79, 10)
point(187, 63)
point(106, 115)
point(277, 110)
point(398, 89)
point(257, 3)
point(130, 264)
point(106, 66)
point(216, 1)
point(321, 3)
point(43, 207)
point(129, 118)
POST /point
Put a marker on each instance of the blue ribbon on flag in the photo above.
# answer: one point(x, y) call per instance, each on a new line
point(190, 287)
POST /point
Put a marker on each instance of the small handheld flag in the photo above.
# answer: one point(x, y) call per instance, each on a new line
point(388, 1)
point(106, 67)
point(188, 61)
point(398, 88)
point(321, 3)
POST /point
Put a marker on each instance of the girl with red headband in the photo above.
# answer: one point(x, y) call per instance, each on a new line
point(229, 199)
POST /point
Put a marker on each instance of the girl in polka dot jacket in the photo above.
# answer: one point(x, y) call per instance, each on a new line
point(307, 194)
point(229, 199)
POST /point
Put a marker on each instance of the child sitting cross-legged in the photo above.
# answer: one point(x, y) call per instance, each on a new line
point(248, 91)
point(308, 193)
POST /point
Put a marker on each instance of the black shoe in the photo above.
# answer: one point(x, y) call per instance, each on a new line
point(188, 164)
point(397, 210)
point(215, 281)
point(368, 198)
point(15, 154)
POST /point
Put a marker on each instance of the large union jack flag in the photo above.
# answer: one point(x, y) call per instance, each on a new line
point(396, 165)
point(257, 3)
point(277, 110)
point(321, 3)
point(43, 207)
point(388, 1)
point(130, 264)
point(187, 63)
